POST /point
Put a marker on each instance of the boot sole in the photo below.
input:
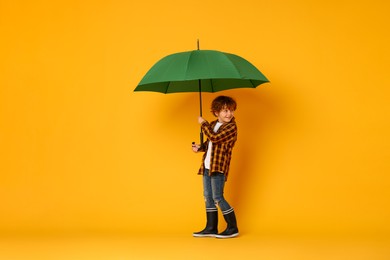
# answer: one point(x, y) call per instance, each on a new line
point(227, 236)
point(204, 235)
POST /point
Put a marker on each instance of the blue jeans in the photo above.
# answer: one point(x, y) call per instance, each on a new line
point(213, 192)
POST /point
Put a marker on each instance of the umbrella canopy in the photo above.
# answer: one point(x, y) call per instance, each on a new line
point(201, 71)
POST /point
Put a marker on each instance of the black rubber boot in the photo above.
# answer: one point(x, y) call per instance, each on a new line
point(211, 229)
point(231, 230)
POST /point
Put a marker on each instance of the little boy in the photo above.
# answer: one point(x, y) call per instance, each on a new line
point(221, 136)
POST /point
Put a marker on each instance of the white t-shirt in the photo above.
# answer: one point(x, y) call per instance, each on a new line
point(210, 146)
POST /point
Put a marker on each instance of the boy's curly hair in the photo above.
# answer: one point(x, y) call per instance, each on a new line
point(222, 102)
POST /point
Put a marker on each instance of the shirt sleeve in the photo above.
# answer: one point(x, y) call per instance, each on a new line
point(225, 134)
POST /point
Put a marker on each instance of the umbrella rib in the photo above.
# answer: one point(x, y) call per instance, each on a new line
point(169, 86)
point(212, 85)
point(253, 85)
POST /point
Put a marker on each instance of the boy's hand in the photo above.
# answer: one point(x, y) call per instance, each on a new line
point(200, 120)
point(195, 147)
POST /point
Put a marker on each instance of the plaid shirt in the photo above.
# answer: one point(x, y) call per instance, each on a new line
point(223, 142)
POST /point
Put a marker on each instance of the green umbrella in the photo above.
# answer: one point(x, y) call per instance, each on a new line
point(201, 71)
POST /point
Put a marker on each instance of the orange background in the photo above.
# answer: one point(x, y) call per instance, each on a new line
point(80, 152)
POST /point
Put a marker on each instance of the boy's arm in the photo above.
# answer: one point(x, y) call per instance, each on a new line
point(228, 133)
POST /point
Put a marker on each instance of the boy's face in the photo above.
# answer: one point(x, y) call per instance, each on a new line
point(225, 115)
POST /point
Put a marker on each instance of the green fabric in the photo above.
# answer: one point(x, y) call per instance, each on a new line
point(181, 72)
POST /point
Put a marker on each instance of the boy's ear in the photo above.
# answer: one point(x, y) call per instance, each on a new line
point(215, 113)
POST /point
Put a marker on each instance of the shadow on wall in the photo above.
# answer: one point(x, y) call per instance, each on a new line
point(257, 111)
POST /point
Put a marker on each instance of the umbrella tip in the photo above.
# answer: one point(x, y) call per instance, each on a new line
point(197, 44)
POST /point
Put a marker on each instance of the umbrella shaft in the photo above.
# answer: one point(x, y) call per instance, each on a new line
point(200, 97)
point(200, 106)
